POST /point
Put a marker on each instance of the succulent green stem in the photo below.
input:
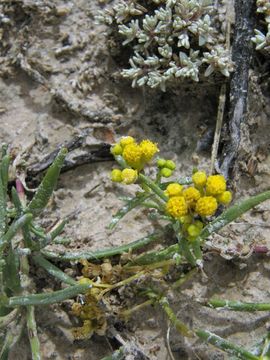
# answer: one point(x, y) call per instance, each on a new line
point(4, 165)
point(131, 204)
point(156, 256)
point(128, 312)
point(32, 333)
point(238, 305)
point(163, 302)
point(225, 345)
point(184, 278)
point(233, 213)
point(105, 253)
point(179, 325)
point(266, 348)
point(3, 207)
point(15, 226)
point(47, 298)
point(185, 250)
point(153, 186)
point(53, 270)
point(7, 319)
point(12, 337)
point(196, 246)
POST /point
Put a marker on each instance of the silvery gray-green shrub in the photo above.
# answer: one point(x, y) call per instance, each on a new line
point(261, 39)
point(170, 40)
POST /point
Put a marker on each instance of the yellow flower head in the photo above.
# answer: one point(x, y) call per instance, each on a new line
point(206, 206)
point(116, 175)
point(126, 140)
point(225, 198)
point(173, 189)
point(129, 176)
point(149, 149)
point(116, 149)
point(191, 195)
point(177, 206)
point(132, 153)
point(215, 185)
point(199, 178)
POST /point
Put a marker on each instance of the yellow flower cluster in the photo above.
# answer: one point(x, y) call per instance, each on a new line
point(135, 155)
point(201, 199)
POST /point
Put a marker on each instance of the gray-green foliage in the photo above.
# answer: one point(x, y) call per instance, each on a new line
point(261, 39)
point(170, 39)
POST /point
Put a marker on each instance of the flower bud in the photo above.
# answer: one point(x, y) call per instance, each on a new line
point(165, 172)
point(161, 163)
point(116, 175)
point(116, 149)
point(170, 164)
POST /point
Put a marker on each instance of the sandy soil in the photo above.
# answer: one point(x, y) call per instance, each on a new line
point(58, 80)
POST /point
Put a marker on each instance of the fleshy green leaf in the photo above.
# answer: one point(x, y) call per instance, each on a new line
point(47, 298)
point(14, 227)
point(3, 192)
point(11, 271)
point(45, 189)
point(104, 253)
point(233, 213)
point(131, 204)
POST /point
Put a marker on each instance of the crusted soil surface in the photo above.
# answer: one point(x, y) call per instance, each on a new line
point(58, 80)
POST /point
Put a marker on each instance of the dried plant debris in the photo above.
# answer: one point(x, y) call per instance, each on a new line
point(169, 39)
point(262, 39)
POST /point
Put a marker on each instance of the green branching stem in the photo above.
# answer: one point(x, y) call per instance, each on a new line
point(32, 333)
point(57, 230)
point(233, 213)
point(266, 348)
point(179, 325)
point(105, 253)
point(53, 270)
point(163, 302)
point(47, 298)
point(7, 319)
point(15, 226)
point(12, 337)
point(16, 201)
point(131, 204)
point(225, 345)
point(157, 256)
point(3, 193)
point(153, 186)
point(3, 210)
point(238, 305)
point(178, 283)
point(185, 250)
